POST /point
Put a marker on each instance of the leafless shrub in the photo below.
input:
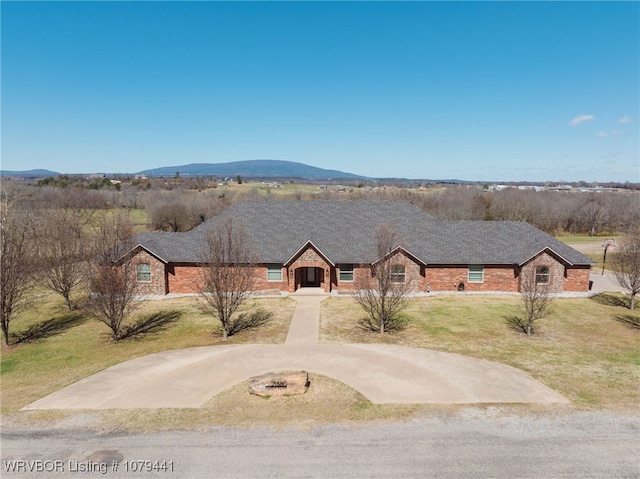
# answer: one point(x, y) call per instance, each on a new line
point(536, 300)
point(61, 251)
point(179, 210)
point(626, 265)
point(382, 295)
point(112, 281)
point(227, 272)
point(16, 264)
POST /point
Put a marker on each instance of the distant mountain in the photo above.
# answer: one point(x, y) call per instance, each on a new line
point(29, 173)
point(252, 168)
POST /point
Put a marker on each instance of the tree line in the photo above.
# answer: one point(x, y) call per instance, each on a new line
point(180, 204)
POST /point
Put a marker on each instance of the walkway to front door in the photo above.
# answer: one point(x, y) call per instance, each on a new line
point(305, 324)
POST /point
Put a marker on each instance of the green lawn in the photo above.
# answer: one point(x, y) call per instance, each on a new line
point(583, 238)
point(587, 349)
point(29, 371)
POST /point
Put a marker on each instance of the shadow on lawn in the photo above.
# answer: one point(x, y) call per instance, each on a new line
point(629, 319)
point(249, 321)
point(519, 324)
point(151, 323)
point(49, 328)
point(608, 299)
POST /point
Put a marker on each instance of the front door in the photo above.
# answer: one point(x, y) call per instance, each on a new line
point(310, 277)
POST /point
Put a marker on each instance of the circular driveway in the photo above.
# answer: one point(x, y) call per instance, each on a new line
point(382, 373)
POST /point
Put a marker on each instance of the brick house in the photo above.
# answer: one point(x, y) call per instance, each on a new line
point(328, 244)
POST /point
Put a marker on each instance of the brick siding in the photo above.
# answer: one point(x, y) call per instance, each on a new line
point(263, 284)
point(311, 258)
point(157, 285)
point(184, 278)
point(577, 279)
point(451, 277)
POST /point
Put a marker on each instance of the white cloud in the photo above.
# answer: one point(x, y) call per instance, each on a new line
point(607, 134)
point(625, 119)
point(581, 120)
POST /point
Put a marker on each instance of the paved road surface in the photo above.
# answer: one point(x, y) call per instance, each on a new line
point(471, 444)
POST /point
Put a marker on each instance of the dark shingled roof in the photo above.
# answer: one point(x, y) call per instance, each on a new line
point(343, 231)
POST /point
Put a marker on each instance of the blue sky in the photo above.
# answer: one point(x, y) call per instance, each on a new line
point(488, 91)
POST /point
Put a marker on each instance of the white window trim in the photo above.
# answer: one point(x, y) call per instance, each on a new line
point(352, 271)
point(547, 274)
point(138, 272)
point(271, 266)
point(397, 275)
point(479, 270)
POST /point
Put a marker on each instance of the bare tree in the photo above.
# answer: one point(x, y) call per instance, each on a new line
point(15, 261)
point(180, 210)
point(592, 214)
point(626, 265)
point(112, 280)
point(227, 272)
point(383, 294)
point(61, 251)
point(171, 216)
point(535, 295)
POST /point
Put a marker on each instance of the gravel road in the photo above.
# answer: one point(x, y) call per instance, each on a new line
point(472, 443)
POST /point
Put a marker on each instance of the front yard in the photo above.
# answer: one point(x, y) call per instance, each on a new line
point(587, 349)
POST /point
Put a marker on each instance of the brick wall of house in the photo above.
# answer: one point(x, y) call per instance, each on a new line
point(556, 271)
point(413, 271)
point(157, 284)
point(577, 279)
point(183, 278)
point(310, 258)
point(450, 277)
point(263, 284)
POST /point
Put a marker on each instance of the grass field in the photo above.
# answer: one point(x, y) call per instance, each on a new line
point(32, 370)
point(585, 239)
point(588, 350)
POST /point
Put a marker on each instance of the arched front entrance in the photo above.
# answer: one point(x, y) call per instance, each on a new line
point(309, 277)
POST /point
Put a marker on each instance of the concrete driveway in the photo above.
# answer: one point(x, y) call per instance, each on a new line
point(382, 373)
point(604, 283)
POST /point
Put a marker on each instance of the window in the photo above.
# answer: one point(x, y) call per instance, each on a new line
point(274, 272)
point(542, 275)
point(398, 273)
point(143, 272)
point(346, 272)
point(476, 273)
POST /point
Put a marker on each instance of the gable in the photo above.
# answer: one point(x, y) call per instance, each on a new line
point(402, 252)
point(141, 251)
point(549, 253)
point(308, 253)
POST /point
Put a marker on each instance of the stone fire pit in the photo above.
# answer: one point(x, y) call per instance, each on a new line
point(279, 384)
